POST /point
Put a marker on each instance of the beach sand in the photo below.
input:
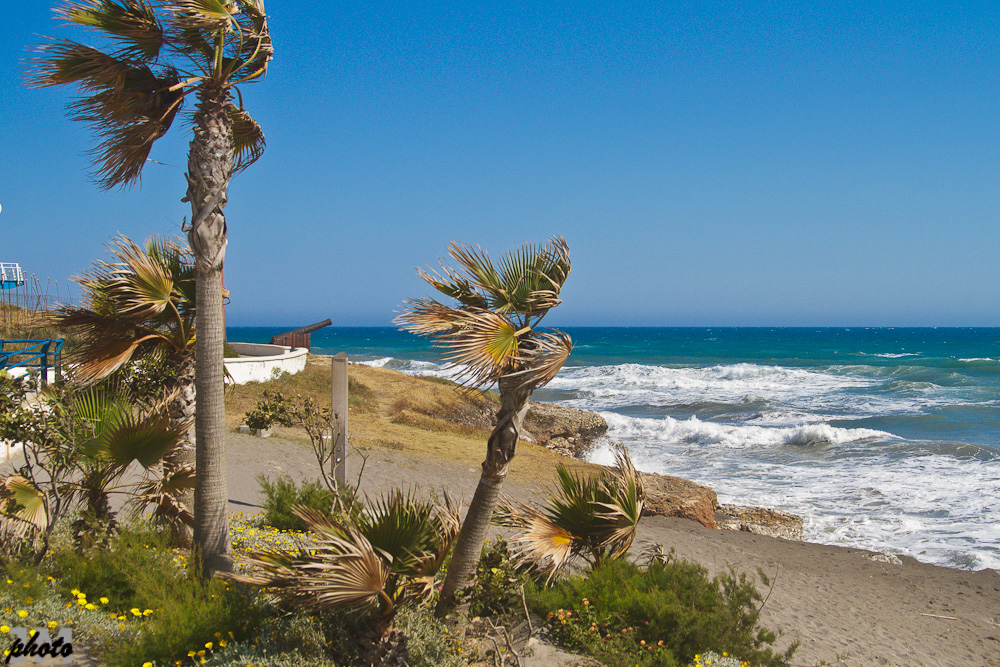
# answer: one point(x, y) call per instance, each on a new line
point(843, 607)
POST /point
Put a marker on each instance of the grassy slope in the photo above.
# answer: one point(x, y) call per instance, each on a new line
point(391, 410)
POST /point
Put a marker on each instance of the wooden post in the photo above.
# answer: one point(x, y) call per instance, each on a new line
point(338, 417)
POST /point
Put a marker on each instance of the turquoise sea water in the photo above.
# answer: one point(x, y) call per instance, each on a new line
point(886, 439)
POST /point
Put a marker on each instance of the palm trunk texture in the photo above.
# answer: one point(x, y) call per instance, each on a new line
point(182, 455)
point(210, 164)
point(500, 451)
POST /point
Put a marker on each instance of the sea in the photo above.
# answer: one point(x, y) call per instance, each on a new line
point(886, 439)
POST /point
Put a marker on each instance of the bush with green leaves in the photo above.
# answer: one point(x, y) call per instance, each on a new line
point(271, 410)
point(662, 614)
point(496, 589)
point(282, 495)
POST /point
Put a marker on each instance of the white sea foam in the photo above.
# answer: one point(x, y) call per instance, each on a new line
point(813, 396)
point(896, 355)
point(376, 363)
point(637, 384)
point(668, 431)
point(858, 493)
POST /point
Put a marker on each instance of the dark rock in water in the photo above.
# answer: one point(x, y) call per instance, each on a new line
point(568, 431)
point(761, 521)
point(673, 496)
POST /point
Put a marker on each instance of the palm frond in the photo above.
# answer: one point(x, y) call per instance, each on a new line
point(483, 348)
point(210, 15)
point(63, 61)
point(163, 493)
point(427, 317)
point(257, 49)
point(482, 273)
point(333, 571)
point(543, 357)
point(453, 285)
point(132, 22)
point(23, 506)
point(542, 542)
point(248, 138)
point(124, 148)
point(593, 516)
point(388, 556)
point(143, 439)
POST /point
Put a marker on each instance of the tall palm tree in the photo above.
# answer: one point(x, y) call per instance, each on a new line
point(491, 336)
point(157, 53)
point(141, 307)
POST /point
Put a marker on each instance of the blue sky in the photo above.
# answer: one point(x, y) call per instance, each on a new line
point(710, 164)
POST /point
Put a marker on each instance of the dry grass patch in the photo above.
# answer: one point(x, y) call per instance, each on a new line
point(418, 416)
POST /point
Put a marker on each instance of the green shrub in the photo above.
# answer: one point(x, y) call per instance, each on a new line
point(663, 614)
point(496, 590)
point(283, 494)
point(273, 409)
point(111, 572)
point(188, 615)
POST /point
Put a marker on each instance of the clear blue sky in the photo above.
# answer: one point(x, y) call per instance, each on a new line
point(779, 163)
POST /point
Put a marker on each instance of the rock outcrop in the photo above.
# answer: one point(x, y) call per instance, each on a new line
point(568, 431)
point(761, 521)
point(673, 496)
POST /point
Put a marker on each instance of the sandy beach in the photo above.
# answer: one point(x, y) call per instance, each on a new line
point(843, 607)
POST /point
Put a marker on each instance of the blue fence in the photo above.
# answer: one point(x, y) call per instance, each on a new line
point(41, 354)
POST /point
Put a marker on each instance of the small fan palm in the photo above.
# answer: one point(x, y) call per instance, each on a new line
point(96, 435)
point(110, 435)
point(386, 557)
point(593, 517)
point(490, 336)
point(156, 54)
point(140, 307)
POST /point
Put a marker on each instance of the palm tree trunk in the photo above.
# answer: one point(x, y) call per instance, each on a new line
point(514, 395)
point(182, 455)
point(210, 164)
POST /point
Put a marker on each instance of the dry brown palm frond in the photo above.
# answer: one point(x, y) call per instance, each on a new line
point(594, 517)
point(132, 22)
point(333, 572)
point(427, 317)
point(23, 507)
point(544, 358)
point(248, 138)
point(210, 15)
point(483, 347)
point(540, 541)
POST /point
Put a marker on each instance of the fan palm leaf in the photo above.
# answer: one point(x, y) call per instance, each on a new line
point(593, 517)
point(386, 558)
point(23, 506)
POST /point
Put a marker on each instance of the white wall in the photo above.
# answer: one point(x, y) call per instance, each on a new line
point(259, 362)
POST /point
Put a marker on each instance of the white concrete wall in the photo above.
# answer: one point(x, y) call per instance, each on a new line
point(259, 362)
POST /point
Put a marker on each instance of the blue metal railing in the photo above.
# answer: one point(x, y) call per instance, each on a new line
point(42, 354)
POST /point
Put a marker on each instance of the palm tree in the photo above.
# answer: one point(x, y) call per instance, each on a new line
point(491, 336)
point(594, 517)
point(141, 307)
point(158, 52)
